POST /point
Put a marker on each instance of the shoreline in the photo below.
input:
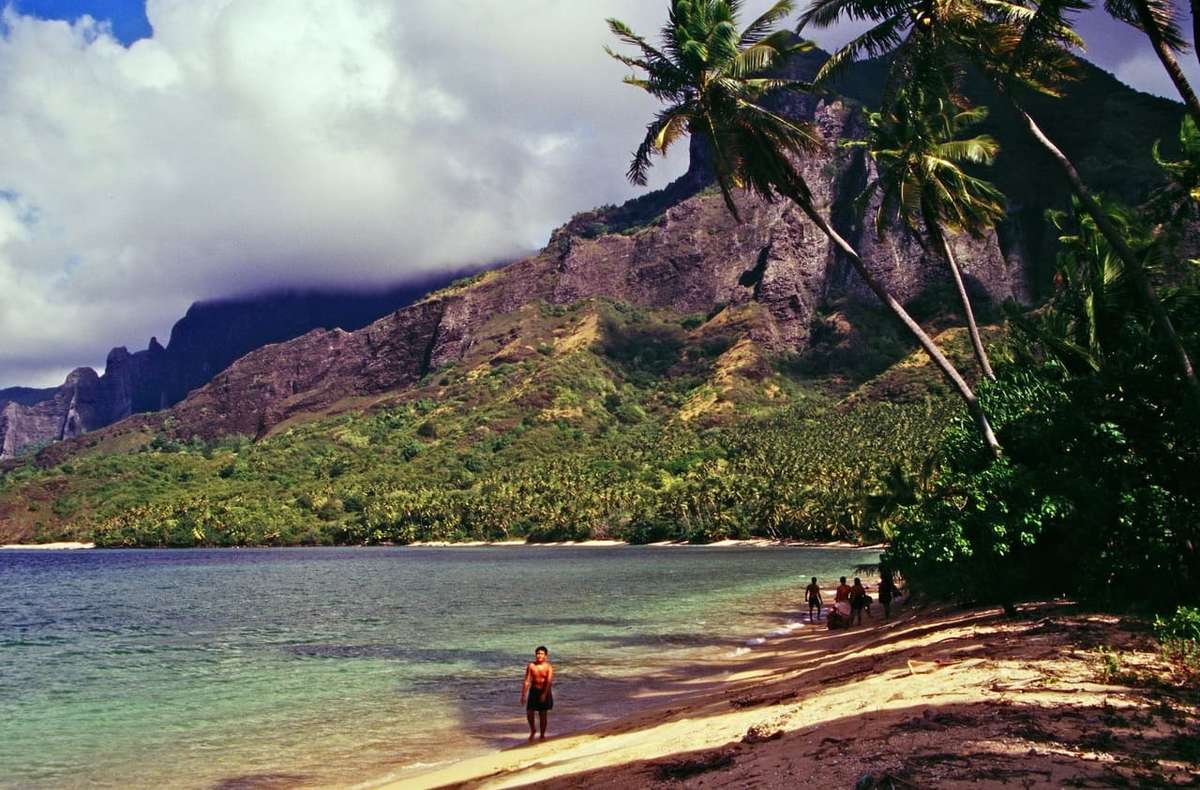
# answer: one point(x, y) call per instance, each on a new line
point(767, 543)
point(764, 543)
point(937, 696)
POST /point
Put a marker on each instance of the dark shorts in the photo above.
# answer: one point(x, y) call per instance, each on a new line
point(535, 702)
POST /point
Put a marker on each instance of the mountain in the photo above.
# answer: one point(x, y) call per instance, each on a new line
point(657, 370)
point(1104, 126)
point(211, 335)
point(603, 342)
point(26, 395)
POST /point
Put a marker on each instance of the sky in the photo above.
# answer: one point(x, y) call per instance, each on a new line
point(158, 152)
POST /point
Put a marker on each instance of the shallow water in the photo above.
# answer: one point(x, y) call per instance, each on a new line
point(280, 666)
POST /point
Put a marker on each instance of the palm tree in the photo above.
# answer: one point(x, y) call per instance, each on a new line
point(713, 80)
point(1159, 21)
point(1019, 48)
point(1093, 316)
point(918, 151)
point(1179, 199)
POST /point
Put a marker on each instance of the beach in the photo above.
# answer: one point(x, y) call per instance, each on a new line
point(400, 667)
point(338, 666)
point(937, 697)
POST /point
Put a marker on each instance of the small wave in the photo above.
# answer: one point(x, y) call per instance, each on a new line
point(418, 765)
point(741, 651)
point(758, 640)
point(787, 629)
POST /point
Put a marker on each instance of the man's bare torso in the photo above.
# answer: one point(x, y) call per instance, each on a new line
point(539, 674)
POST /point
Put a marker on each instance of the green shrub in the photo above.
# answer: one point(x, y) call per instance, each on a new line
point(1179, 636)
point(1088, 502)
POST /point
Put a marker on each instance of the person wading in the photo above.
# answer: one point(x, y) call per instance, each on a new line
point(813, 594)
point(536, 694)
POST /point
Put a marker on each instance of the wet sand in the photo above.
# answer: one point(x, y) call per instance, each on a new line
point(937, 697)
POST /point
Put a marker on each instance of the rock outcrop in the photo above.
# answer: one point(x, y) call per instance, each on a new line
point(677, 248)
point(77, 406)
point(693, 258)
point(209, 337)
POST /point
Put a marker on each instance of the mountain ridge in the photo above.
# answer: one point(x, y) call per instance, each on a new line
point(210, 335)
point(159, 377)
point(693, 258)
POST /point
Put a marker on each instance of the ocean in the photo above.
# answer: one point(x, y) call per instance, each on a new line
point(317, 666)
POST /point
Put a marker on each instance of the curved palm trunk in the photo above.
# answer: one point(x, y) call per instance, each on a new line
point(1167, 57)
point(981, 355)
point(944, 365)
point(1196, 28)
point(1133, 267)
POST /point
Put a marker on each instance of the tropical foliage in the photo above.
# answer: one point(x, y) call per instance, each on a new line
point(714, 82)
point(628, 437)
point(1023, 49)
point(1097, 497)
point(923, 187)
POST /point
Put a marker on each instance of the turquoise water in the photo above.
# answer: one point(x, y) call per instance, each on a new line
point(282, 667)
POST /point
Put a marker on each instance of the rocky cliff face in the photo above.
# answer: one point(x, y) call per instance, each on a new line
point(677, 248)
point(76, 407)
point(692, 258)
point(25, 395)
point(209, 337)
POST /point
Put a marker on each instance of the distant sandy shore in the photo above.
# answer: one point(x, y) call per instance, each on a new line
point(753, 542)
point(938, 697)
point(66, 545)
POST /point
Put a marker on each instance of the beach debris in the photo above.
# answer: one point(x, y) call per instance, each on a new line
point(861, 668)
point(882, 781)
point(750, 702)
point(685, 769)
point(932, 719)
point(761, 733)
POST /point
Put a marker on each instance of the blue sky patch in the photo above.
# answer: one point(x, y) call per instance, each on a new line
point(128, 17)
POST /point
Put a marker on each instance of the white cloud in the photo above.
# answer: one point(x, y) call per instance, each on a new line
point(264, 143)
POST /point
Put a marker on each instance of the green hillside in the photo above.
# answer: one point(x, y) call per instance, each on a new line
point(592, 421)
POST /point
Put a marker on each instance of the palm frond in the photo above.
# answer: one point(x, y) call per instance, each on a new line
point(1068, 352)
point(1163, 14)
point(980, 150)
point(754, 60)
point(668, 125)
point(762, 27)
point(651, 55)
point(798, 136)
point(882, 38)
point(1048, 29)
point(823, 13)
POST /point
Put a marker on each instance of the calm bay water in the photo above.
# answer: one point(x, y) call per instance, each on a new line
point(336, 666)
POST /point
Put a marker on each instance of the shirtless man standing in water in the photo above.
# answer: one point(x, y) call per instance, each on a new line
point(539, 675)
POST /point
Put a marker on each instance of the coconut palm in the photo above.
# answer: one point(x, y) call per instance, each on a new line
point(1020, 47)
point(713, 79)
point(1158, 19)
point(1089, 320)
point(919, 153)
point(1178, 200)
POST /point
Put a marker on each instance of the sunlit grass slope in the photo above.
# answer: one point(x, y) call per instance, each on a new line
point(597, 420)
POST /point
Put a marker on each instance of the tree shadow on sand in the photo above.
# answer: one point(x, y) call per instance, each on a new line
point(947, 746)
point(1038, 724)
point(263, 781)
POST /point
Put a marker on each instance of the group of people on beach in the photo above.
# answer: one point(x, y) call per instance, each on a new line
point(850, 601)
